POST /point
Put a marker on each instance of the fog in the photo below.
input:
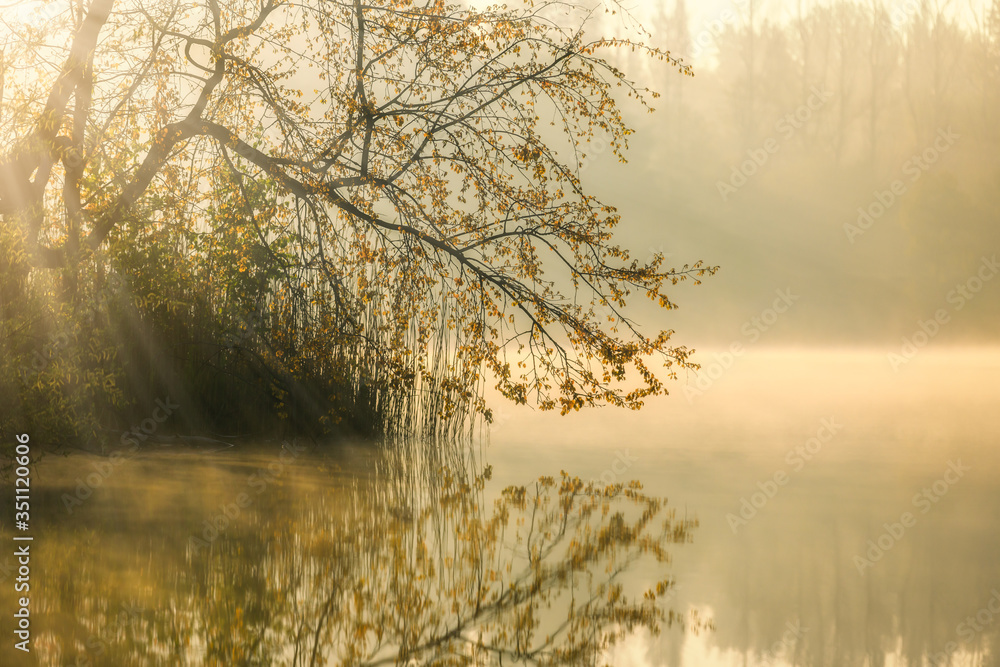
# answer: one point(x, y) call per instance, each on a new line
point(840, 152)
point(800, 466)
point(836, 160)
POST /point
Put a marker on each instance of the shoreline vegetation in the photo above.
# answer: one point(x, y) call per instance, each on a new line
point(233, 239)
point(309, 222)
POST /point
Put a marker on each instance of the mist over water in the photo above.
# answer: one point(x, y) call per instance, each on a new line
point(838, 446)
point(853, 446)
point(847, 515)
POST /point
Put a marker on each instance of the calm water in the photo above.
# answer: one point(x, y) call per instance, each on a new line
point(849, 515)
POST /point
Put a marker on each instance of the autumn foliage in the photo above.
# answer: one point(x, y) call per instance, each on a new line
point(333, 212)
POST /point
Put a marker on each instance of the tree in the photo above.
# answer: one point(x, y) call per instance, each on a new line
point(400, 178)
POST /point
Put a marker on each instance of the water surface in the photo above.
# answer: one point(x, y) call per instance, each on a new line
point(848, 515)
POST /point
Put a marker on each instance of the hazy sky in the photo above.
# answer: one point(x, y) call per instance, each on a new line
point(707, 10)
point(792, 226)
point(704, 14)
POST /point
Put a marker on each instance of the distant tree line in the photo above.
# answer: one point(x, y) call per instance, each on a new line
point(852, 149)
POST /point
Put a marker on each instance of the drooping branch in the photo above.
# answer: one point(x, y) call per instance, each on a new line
point(430, 192)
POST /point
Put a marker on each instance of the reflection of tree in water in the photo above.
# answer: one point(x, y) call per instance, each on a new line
point(408, 564)
point(905, 610)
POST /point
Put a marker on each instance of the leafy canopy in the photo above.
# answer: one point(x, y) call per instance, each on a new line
point(405, 174)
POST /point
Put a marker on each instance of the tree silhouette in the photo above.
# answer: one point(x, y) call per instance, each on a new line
point(399, 177)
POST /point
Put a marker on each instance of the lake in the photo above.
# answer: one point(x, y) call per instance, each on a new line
point(848, 514)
